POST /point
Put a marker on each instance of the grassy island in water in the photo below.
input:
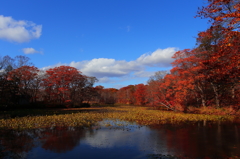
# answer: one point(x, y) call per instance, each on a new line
point(87, 117)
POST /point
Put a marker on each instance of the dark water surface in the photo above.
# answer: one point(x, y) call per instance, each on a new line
point(124, 140)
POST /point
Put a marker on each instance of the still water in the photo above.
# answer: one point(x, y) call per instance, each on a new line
point(124, 140)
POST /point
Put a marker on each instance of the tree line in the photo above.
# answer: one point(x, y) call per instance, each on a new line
point(24, 85)
point(207, 75)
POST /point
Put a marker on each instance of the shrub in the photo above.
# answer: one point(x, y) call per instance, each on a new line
point(218, 111)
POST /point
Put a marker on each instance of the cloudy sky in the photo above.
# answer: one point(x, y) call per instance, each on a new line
point(120, 42)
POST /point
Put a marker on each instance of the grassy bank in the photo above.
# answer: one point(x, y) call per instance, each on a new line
point(86, 117)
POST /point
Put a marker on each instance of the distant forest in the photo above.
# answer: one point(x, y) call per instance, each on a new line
point(207, 75)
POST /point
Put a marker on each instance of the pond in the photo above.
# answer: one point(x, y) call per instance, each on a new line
point(116, 139)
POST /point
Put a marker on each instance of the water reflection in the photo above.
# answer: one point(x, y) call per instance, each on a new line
point(124, 140)
point(201, 140)
point(60, 139)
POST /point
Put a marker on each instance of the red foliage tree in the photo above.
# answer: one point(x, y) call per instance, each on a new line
point(219, 58)
point(26, 77)
point(140, 94)
point(126, 95)
point(222, 12)
point(107, 95)
point(65, 85)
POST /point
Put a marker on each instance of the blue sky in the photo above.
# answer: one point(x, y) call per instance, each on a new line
point(120, 42)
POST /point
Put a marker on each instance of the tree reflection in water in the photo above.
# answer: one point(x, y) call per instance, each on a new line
point(196, 140)
point(61, 139)
point(16, 144)
point(199, 140)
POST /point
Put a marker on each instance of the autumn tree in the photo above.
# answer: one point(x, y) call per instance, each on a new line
point(65, 85)
point(207, 74)
point(58, 82)
point(26, 79)
point(108, 96)
point(153, 84)
point(219, 58)
point(98, 97)
point(140, 94)
point(219, 47)
point(8, 92)
point(193, 82)
point(222, 12)
point(83, 89)
point(160, 90)
point(126, 95)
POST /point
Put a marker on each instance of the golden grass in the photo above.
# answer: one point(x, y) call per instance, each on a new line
point(90, 116)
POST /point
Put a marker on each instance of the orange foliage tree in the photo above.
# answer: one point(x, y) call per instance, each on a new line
point(66, 85)
point(140, 94)
point(206, 75)
point(126, 95)
point(222, 12)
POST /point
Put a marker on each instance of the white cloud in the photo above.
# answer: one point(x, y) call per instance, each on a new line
point(30, 51)
point(117, 137)
point(113, 71)
point(160, 57)
point(18, 31)
point(104, 67)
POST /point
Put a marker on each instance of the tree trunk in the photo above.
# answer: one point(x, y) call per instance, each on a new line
point(215, 89)
point(202, 96)
point(233, 92)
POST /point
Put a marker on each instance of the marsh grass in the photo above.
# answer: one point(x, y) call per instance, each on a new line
point(87, 117)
